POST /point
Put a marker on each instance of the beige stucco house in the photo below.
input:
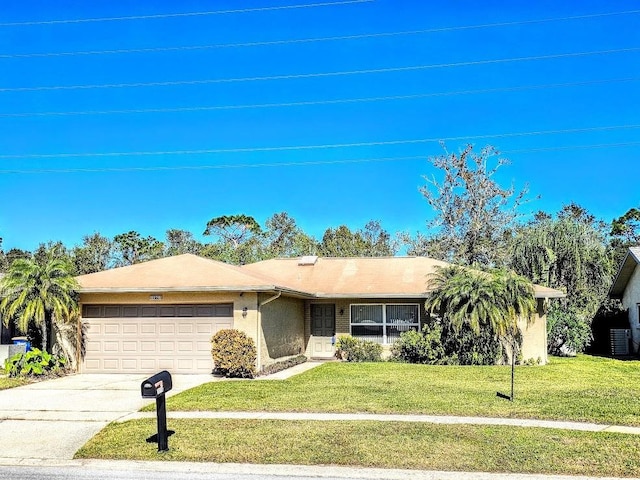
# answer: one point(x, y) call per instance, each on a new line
point(626, 288)
point(161, 314)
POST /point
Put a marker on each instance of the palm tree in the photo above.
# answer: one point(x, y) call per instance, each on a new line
point(38, 294)
point(495, 300)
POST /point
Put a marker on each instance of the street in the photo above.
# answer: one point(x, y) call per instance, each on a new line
point(125, 470)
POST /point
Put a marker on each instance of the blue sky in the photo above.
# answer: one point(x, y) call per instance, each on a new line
point(486, 85)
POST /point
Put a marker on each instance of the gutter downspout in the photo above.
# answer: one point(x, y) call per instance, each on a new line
point(259, 327)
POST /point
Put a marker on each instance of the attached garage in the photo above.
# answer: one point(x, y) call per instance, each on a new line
point(148, 338)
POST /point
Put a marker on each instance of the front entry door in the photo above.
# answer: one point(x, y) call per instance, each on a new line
point(323, 330)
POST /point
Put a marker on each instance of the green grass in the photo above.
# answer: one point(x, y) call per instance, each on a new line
point(376, 444)
point(585, 388)
point(6, 382)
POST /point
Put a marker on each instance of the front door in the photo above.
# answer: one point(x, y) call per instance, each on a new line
point(323, 330)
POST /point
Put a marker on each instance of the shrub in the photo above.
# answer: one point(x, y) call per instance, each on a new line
point(355, 350)
point(234, 354)
point(34, 363)
point(437, 344)
point(283, 365)
point(568, 331)
point(420, 347)
point(466, 347)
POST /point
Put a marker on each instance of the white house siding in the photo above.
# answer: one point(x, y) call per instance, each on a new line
point(631, 301)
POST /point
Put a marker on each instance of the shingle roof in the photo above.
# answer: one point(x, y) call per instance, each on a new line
point(369, 277)
point(353, 277)
point(186, 273)
point(624, 274)
point(379, 277)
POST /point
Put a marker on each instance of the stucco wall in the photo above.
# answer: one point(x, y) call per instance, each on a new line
point(534, 336)
point(282, 329)
point(630, 301)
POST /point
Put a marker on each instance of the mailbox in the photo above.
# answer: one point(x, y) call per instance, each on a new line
point(159, 384)
point(156, 387)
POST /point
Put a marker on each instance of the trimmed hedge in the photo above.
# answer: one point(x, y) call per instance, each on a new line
point(353, 350)
point(283, 365)
point(234, 354)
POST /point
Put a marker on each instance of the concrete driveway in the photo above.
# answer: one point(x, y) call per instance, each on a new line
point(54, 418)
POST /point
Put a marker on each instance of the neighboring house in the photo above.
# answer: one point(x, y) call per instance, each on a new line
point(161, 314)
point(626, 287)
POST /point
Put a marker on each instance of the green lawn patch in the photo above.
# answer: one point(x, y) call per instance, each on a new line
point(6, 382)
point(376, 444)
point(585, 388)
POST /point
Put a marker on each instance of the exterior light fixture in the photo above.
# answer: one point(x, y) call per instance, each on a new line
point(244, 312)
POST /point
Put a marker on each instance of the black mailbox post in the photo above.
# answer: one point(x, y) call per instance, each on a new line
point(156, 387)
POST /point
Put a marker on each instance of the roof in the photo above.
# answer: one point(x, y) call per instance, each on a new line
point(370, 277)
point(181, 273)
point(307, 277)
point(624, 273)
point(353, 277)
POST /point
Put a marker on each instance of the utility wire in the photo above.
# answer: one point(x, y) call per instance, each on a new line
point(294, 164)
point(318, 74)
point(309, 39)
point(319, 147)
point(184, 14)
point(318, 102)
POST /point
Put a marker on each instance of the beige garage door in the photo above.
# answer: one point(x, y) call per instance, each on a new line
point(149, 338)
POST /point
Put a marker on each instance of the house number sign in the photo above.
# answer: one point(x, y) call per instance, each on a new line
point(155, 297)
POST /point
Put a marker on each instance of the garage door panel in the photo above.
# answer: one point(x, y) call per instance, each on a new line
point(130, 329)
point(111, 364)
point(111, 329)
point(185, 328)
point(167, 329)
point(151, 341)
point(92, 346)
point(166, 364)
point(148, 364)
point(148, 328)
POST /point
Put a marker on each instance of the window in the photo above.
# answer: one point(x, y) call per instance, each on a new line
point(383, 323)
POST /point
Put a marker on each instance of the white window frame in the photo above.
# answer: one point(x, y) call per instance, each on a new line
point(384, 323)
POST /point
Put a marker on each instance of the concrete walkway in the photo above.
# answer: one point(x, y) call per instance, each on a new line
point(438, 419)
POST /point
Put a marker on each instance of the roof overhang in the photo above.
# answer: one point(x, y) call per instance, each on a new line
point(631, 260)
point(200, 289)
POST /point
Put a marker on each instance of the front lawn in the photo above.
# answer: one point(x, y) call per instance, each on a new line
point(585, 388)
point(6, 382)
point(376, 444)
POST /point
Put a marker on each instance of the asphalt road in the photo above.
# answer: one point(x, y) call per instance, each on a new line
point(106, 470)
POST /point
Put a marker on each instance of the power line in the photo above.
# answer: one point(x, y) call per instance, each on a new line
point(319, 147)
point(184, 14)
point(318, 74)
point(296, 164)
point(319, 102)
point(310, 39)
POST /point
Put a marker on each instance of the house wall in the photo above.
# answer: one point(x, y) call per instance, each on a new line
point(283, 330)
point(631, 301)
point(534, 335)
